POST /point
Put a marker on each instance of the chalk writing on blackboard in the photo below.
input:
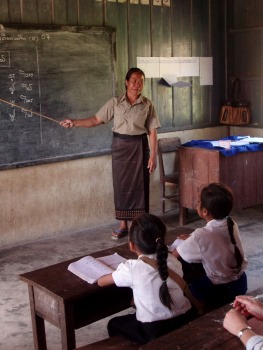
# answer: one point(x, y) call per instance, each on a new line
point(23, 85)
point(28, 113)
point(58, 72)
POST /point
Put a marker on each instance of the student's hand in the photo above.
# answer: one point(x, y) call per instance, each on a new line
point(234, 321)
point(67, 123)
point(248, 306)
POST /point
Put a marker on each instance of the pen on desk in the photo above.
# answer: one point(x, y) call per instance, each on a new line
point(256, 297)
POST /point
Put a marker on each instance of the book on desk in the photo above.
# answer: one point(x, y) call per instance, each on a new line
point(90, 269)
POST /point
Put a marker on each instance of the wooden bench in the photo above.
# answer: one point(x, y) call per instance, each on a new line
point(206, 332)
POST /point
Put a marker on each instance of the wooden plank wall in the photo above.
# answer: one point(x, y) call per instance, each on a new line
point(148, 28)
point(245, 50)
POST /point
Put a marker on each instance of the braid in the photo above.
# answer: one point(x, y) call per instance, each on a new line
point(230, 225)
point(162, 254)
point(239, 256)
point(148, 232)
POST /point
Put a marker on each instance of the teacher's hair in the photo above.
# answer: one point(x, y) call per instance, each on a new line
point(134, 70)
point(148, 232)
point(218, 200)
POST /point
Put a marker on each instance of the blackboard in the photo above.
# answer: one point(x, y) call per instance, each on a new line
point(58, 72)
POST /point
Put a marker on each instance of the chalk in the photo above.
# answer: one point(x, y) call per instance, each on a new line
point(28, 110)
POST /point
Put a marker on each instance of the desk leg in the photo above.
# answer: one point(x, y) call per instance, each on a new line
point(68, 339)
point(183, 216)
point(38, 324)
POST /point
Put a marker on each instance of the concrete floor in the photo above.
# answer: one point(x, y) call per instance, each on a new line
point(16, 330)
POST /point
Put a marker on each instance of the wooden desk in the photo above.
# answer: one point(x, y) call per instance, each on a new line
point(243, 172)
point(66, 301)
point(204, 333)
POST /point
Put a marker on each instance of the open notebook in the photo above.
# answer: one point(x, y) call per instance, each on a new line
point(90, 269)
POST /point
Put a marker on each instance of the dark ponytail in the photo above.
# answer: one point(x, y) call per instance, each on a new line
point(239, 256)
point(148, 232)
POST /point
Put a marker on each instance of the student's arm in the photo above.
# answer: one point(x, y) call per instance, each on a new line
point(85, 123)
point(153, 147)
point(105, 280)
point(175, 253)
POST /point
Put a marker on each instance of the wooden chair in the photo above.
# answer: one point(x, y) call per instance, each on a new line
point(168, 166)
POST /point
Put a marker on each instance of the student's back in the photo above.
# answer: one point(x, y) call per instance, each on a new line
point(212, 246)
point(217, 246)
point(159, 301)
point(145, 283)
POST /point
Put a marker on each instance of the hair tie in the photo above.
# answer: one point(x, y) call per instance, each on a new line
point(164, 281)
point(157, 239)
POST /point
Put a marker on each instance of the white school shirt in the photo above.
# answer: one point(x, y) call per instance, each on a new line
point(255, 343)
point(211, 246)
point(145, 282)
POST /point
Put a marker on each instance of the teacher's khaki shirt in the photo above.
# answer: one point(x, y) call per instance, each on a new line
point(128, 119)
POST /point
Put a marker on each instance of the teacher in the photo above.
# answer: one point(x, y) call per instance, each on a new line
point(134, 122)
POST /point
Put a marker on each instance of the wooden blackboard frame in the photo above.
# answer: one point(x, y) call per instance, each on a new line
point(59, 72)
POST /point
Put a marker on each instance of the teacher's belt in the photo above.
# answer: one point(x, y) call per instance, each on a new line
point(127, 137)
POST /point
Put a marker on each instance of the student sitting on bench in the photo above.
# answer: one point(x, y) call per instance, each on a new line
point(217, 246)
point(159, 301)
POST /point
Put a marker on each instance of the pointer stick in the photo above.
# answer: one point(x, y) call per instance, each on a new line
point(28, 110)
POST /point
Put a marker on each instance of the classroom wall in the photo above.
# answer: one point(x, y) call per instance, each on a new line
point(244, 53)
point(53, 199)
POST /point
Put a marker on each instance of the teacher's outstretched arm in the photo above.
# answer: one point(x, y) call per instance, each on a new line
point(84, 123)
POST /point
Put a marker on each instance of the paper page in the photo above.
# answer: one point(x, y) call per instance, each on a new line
point(89, 269)
point(256, 139)
point(179, 66)
point(240, 143)
point(170, 79)
point(169, 66)
point(113, 260)
point(225, 144)
point(150, 66)
point(175, 244)
point(189, 66)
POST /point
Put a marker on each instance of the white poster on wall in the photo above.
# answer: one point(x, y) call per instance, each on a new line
point(172, 68)
point(150, 66)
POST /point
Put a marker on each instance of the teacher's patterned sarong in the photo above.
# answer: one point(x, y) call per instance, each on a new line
point(130, 155)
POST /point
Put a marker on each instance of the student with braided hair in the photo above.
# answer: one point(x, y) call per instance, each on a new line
point(217, 246)
point(159, 301)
